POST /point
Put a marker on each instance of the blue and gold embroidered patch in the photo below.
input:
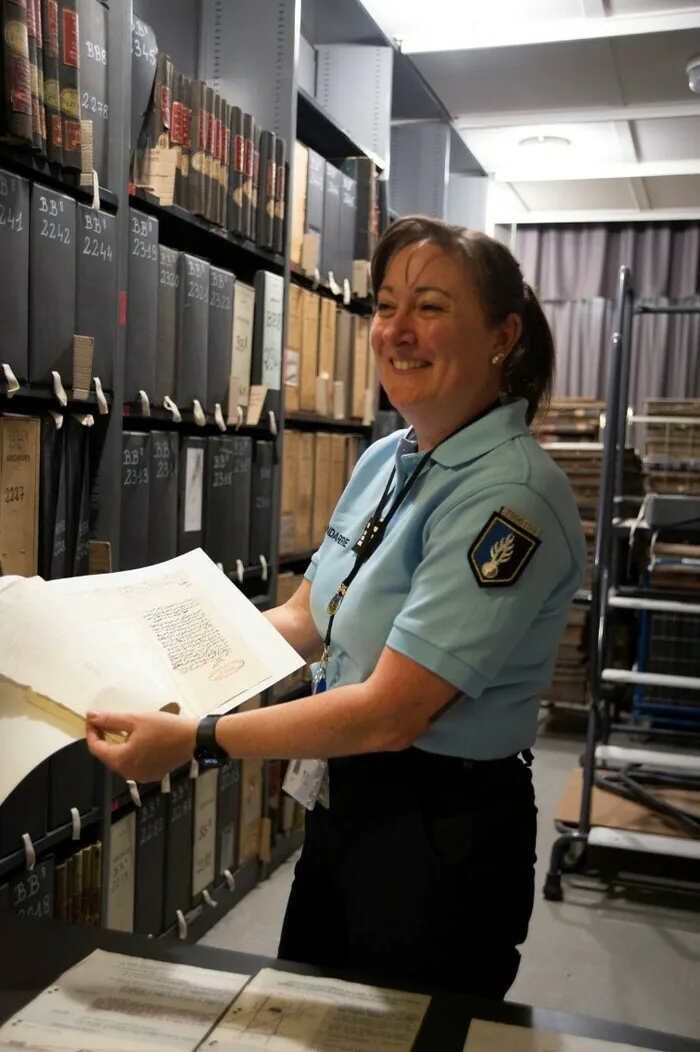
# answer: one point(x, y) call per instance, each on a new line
point(503, 549)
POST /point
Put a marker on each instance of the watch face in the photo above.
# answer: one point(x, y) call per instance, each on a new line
point(206, 761)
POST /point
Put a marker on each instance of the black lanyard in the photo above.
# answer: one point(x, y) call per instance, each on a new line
point(372, 537)
point(374, 531)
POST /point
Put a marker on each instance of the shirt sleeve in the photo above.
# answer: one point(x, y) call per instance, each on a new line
point(313, 565)
point(491, 564)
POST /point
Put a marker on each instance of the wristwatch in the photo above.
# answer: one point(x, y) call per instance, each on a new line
point(207, 752)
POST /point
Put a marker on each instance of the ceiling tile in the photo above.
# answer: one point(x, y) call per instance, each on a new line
point(677, 191)
point(542, 77)
point(652, 68)
point(576, 194)
point(675, 139)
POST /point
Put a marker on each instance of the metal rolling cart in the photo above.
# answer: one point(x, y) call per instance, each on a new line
point(663, 703)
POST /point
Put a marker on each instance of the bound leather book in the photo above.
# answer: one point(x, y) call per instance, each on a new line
point(192, 331)
point(237, 172)
point(40, 74)
point(96, 288)
point(69, 83)
point(255, 191)
point(220, 495)
point(242, 474)
point(221, 295)
point(52, 92)
point(224, 161)
point(32, 30)
point(190, 514)
point(163, 497)
point(261, 501)
point(248, 163)
point(267, 340)
point(280, 234)
point(300, 166)
point(135, 500)
point(16, 109)
point(149, 867)
point(266, 191)
point(197, 195)
point(14, 273)
point(343, 362)
point(180, 131)
point(213, 159)
point(93, 79)
point(142, 307)
point(52, 264)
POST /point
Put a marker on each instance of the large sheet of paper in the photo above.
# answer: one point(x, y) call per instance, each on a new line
point(281, 1012)
point(114, 1003)
point(178, 635)
point(499, 1037)
point(27, 737)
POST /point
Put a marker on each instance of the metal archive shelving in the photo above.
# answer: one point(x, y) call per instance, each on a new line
point(658, 839)
point(74, 855)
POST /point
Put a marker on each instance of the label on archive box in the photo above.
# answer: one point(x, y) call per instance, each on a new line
point(255, 404)
point(194, 484)
point(291, 367)
point(204, 854)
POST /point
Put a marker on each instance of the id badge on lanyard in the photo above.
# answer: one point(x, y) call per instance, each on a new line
point(306, 781)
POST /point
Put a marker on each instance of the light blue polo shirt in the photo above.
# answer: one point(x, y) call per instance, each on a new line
point(473, 580)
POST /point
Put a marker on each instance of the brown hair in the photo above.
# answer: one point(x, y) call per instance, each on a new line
point(528, 371)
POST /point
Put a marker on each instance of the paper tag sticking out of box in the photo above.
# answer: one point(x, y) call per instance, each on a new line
point(322, 382)
point(291, 367)
point(256, 402)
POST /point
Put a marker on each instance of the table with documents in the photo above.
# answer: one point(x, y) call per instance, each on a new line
point(67, 988)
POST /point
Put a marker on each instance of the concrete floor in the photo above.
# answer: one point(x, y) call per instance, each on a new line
point(592, 954)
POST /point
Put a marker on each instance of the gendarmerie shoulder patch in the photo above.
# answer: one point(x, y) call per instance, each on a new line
point(503, 549)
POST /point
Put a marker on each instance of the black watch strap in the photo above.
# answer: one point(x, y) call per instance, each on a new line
point(206, 748)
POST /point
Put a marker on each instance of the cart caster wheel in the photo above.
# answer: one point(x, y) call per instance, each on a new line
point(552, 888)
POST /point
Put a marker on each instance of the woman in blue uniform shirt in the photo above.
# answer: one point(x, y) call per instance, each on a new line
point(437, 599)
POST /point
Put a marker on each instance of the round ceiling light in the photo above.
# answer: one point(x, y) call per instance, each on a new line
point(692, 71)
point(545, 140)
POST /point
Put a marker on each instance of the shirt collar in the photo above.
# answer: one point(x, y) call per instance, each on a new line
point(497, 427)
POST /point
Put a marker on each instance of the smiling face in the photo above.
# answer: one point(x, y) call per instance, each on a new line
point(433, 343)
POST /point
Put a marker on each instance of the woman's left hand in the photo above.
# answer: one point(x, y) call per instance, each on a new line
point(153, 746)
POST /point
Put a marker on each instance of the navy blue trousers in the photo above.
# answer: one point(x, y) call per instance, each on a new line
point(421, 871)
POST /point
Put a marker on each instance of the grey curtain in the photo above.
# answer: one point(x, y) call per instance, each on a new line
point(583, 262)
point(575, 272)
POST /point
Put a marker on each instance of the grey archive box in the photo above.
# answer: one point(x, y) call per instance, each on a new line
point(14, 273)
point(221, 293)
point(51, 286)
point(168, 285)
point(93, 79)
point(142, 307)
point(192, 331)
point(96, 289)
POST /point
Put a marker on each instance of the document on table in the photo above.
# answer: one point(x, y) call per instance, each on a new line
point(115, 1003)
point(499, 1037)
point(281, 1012)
